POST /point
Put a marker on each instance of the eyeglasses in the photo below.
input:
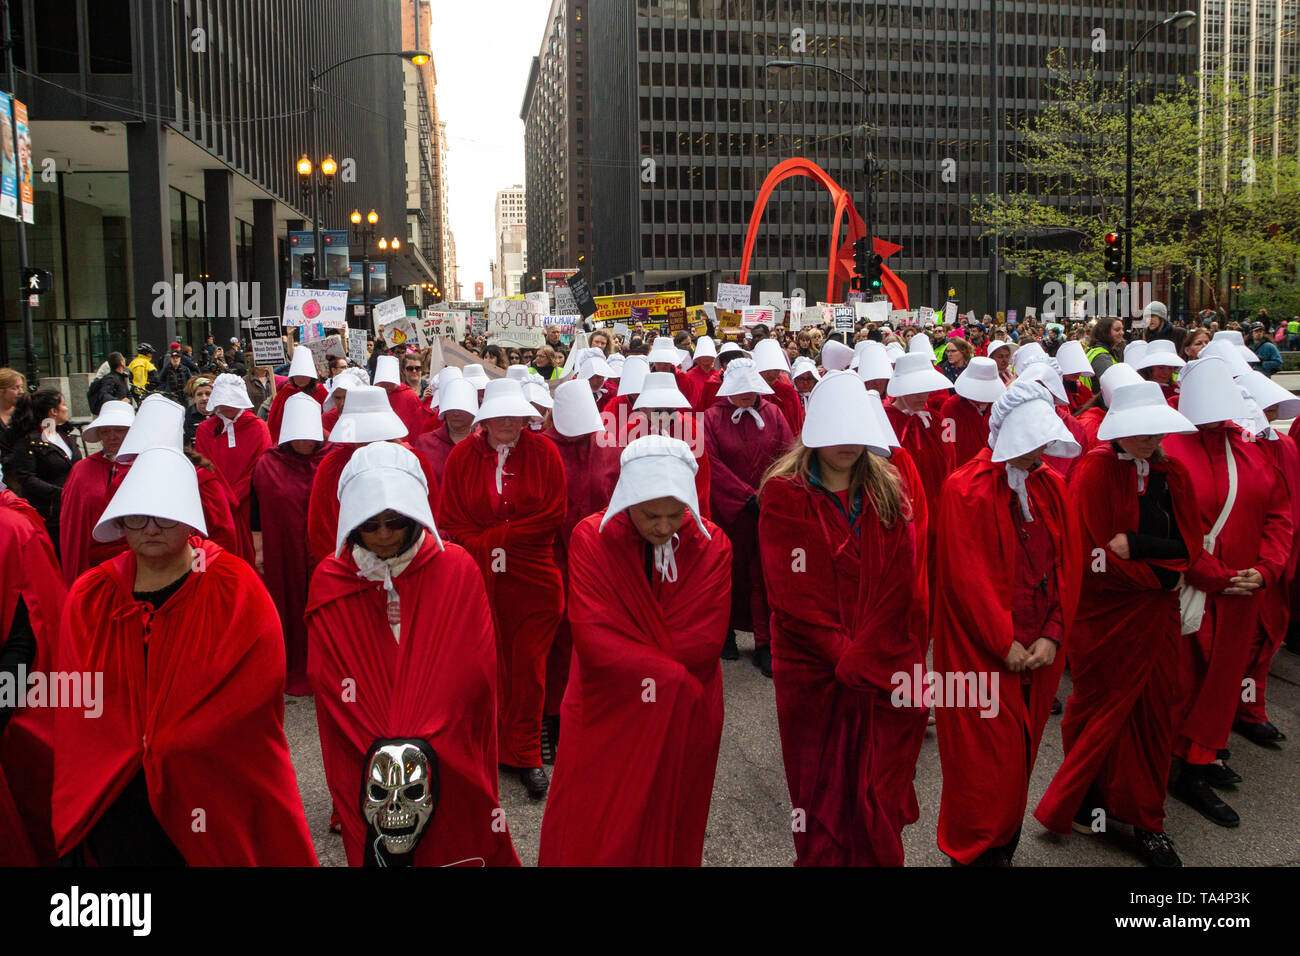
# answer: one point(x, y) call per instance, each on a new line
point(140, 522)
point(399, 523)
point(413, 368)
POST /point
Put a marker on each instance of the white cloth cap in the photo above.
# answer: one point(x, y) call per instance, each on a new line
point(660, 391)
point(1267, 394)
point(1117, 375)
point(475, 375)
point(1024, 420)
point(517, 373)
point(1046, 375)
point(1141, 409)
point(1072, 359)
point(836, 356)
point(504, 398)
point(655, 466)
point(803, 365)
point(995, 344)
point(229, 390)
point(920, 344)
point(883, 423)
point(894, 350)
point(538, 394)
point(728, 348)
point(303, 363)
point(575, 411)
point(635, 369)
point(871, 361)
point(388, 369)
point(301, 421)
point(346, 379)
point(741, 378)
point(663, 350)
point(705, 348)
point(1031, 353)
point(1135, 352)
point(1207, 393)
point(367, 417)
point(616, 362)
point(160, 423)
point(839, 413)
point(1161, 352)
point(915, 374)
point(116, 414)
point(980, 381)
point(593, 363)
point(1231, 355)
point(445, 375)
point(380, 477)
point(1233, 337)
point(161, 483)
point(770, 357)
point(457, 395)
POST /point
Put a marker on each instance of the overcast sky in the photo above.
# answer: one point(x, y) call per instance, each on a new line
point(482, 51)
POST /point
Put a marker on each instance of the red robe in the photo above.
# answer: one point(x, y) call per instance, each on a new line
point(705, 385)
point(329, 420)
point(849, 751)
point(218, 503)
point(786, 397)
point(634, 775)
point(29, 571)
point(323, 508)
point(591, 466)
point(1256, 535)
point(1275, 602)
point(435, 446)
point(206, 724)
point(1125, 651)
point(276, 414)
point(235, 465)
point(86, 494)
point(987, 755)
point(684, 426)
point(1090, 421)
point(969, 428)
point(437, 683)
point(511, 534)
point(1079, 397)
point(931, 453)
point(1064, 466)
point(739, 455)
point(407, 406)
point(282, 482)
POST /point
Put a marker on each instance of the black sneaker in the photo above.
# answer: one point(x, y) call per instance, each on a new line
point(1156, 848)
point(535, 781)
point(1083, 820)
point(1221, 775)
point(1263, 733)
point(763, 660)
point(729, 650)
point(1191, 788)
point(1056, 705)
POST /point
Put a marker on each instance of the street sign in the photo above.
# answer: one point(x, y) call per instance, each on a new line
point(37, 281)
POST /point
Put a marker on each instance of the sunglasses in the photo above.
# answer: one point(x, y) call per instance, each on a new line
point(413, 368)
point(140, 522)
point(400, 523)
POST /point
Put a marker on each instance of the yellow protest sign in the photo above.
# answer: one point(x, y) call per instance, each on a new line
point(613, 307)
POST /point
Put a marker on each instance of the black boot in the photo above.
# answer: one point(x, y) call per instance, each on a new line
point(729, 650)
point(535, 781)
point(1192, 788)
point(1221, 775)
point(1262, 733)
point(1056, 705)
point(1156, 848)
point(763, 660)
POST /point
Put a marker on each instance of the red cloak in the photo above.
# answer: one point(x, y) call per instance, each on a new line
point(1064, 466)
point(329, 420)
point(849, 752)
point(437, 683)
point(205, 720)
point(643, 713)
point(786, 397)
point(282, 482)
point(1079, 397)
point(276, 414)
point(705, 386)
point(407, 406)
point(29, 571)
point(511, 535)
point(1125, 649)
point(85, 496)
point(682, 425)
point(969, 428)
point(740, 453)
point(323, 508)
point(932, 455)
point(987, 757)
point(435, 446)
point(1090, 421)
point(235, 465)
point(1257, 535)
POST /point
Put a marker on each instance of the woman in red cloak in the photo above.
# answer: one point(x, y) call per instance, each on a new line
point(184, 759)
point(282, 484)
point(402, 398)
point(660, 408)
point(643, 713)
point(1073, 362)
point(774, 367)
point(504, 501)
point(1004, 599)
point(233, 438)
point(403, 667)
point(744, 434)
point(1089, 416)
point(964, 417)
point(457, 406)
point(836, 517)
point(1243, 502)
point(88, 488)
point(705, 378)
point(303, 379)
point(1141, 531)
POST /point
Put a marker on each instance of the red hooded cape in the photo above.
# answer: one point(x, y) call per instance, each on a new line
point(85, 496)
point(786, 397)
point(323, 508)
point(1090, 421)
point(218, 503)
point(634, 774)
point(511, 537)
point(282, 483)
point(684, 426)
point(28, 571)
point(235, 465)
point(282, 394)
point(705, 385)
point(970, 428)
point(932, 455)
point(207, 723)
point(438, 683)
point(843, 602)
point(435, 446)
point(1124, 653)
point(986, 760)
point(1256, 535)
point(407, 406)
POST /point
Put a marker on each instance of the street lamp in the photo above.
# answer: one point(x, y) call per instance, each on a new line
point(363, 235)
point(869, 161)
point(1179, 21)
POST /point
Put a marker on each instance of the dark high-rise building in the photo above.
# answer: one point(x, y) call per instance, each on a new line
point(164, 138)
point(556, 140)
point(686, 123)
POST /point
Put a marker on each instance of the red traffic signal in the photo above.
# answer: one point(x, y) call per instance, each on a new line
point(1112, 238)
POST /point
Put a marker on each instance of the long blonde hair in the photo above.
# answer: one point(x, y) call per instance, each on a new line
point(874, 476)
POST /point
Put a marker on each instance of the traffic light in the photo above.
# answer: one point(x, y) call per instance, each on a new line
point(860, 265)
point(875, 273)
point(1113, 252)
point(309, 270)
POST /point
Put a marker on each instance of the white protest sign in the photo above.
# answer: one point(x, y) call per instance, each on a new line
point(268, 347)
point(1031, 311)
point(970, 316)
point(900, 317)
point(512, 322)
point(357, 346)
point(777, 303)
point(950, 313)
point(756, 315)
point(732, 297)
point(565, 303)
point(434, 325)
point(386, 312)
point(326, 307)
point(322, 348)
point(925, 316)
point(844, 318)
point(877, 312)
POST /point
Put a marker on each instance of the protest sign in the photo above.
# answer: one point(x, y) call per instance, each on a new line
point(950, 313)
point(728, 320)
point(621, 329)
point(321, 349)
point(844, 318)
point(900, 318)
point(387, 311)
point(925, 316)
point(614, 307)
point(778, 304)
point(752, 315)
point(676, 320)
point(1011, 315)
point(581, 292)
point(732, 297)
point(268, 347)
point(325, 307)
point(1031, 311)
point(877, 312)
point(639, 314)
point(357, 346)
point(511, 322)
point(400, 332)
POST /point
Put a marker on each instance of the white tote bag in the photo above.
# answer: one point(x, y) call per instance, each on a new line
point(1191, 600)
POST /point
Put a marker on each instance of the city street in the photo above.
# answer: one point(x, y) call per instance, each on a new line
point(749, 818)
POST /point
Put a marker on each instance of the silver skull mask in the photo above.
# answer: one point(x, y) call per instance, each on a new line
point(401, 790)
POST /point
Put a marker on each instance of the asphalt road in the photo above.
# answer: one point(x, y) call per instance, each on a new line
point(749, 819)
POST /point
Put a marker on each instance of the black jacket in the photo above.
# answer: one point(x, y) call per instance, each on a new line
point(117, 385)
point(36, 470)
